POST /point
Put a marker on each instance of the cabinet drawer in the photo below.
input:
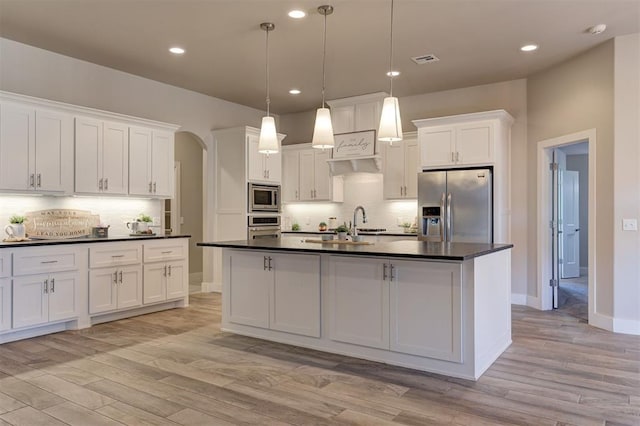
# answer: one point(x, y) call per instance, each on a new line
point(106, 255)
point(5, 263)
point(159, 251)
point(43, 261)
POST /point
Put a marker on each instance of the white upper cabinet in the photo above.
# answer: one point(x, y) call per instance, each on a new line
point(262, 167)
point(401, 163)
point(463, 140)
point(356, 113)
point(151, 158)
point(102, 157)
point(307, 176)
point(36, 149)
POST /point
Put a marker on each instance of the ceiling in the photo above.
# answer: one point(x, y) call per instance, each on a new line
point(477, 41)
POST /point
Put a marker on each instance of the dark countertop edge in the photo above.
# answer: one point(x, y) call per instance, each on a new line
point(368, 233)
point(32, 243)
point(239, 245)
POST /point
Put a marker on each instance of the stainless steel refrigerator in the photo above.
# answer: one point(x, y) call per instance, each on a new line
point(456, 206)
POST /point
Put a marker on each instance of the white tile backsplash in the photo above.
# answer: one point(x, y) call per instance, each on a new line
point(113, 211)
point(363, 189)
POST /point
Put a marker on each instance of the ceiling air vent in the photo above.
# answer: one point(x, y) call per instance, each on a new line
point(425, 59)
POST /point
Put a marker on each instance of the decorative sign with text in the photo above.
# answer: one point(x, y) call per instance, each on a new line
point(354, 145)
point(60, 223)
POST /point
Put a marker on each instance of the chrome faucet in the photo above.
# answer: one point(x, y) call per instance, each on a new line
point(354, 230)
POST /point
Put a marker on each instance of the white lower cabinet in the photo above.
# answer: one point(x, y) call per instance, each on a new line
point(165, 281)
point(276, 291)
point(166, 270)
point(425, 309)
point(5, 304)
point(359, 301)
point(405, 306)
point(115, 288)
point(38, 299)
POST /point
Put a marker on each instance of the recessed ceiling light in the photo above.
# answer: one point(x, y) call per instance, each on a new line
point(297, 14)
point(295, 91)
point(176, 50)
point(393, 73)
point(529, 47)
point(597, 29)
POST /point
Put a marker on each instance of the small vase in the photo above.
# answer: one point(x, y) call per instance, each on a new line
point(15, 230)
point(342, 236)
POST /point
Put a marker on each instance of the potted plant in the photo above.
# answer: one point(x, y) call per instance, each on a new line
point(342, 232)
point(295, 227)
point(406, 226)
point(16, 227)
point(322, 226)
point(144, 221)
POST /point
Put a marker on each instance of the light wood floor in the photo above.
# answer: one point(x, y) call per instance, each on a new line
point(178, 367)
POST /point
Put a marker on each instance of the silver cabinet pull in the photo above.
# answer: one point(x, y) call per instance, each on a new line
point(120, 277)
point(39, 180)
point(117, 255)
point(169, 270)
point(46, 285)
point(384, 272)
point(164, 274)
point(100, 184)
point(392, 269)
point(457, 156)
point(106, 184)
point(53, 285)
point(296, 197)
point(167, 252)
point(150, 187)
point(32, 180)
point(264, 263)
point(154, 187)
point(270, 267)
point(115, 277)
point(453, 157)
point(49, 261)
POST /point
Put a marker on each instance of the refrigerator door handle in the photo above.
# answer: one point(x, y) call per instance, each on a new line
point(443, 232)
point(449, 225)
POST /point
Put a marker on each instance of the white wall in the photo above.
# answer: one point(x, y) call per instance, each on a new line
point(508, 95)
point(31, 71)
point(626, 177)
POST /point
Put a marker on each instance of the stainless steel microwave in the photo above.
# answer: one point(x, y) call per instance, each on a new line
point(264, 198)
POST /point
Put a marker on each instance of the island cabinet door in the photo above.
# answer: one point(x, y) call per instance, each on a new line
point(295, 294)
point(250, 279)
point(426, 318)
point(5, 304)
point(359, 301)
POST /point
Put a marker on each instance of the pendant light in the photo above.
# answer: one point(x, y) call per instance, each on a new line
point(323, 129)
point(390, 129)
point(268, 142)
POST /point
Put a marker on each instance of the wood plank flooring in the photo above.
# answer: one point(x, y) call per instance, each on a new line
point(177, 367)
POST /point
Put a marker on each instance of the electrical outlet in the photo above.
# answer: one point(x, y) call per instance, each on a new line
point(629, 224)
point(156, 221)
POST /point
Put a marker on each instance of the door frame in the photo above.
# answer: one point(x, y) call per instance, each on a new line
point(544, 158)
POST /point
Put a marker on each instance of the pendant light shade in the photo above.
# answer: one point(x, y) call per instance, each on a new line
point(323, 129)
point(390, 124)
point(268, 141)
point(390, 129)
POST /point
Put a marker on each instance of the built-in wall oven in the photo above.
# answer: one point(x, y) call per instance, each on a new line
point(263, 198)
point(263, 226)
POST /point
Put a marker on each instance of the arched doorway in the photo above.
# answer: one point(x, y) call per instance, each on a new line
point(185, 211)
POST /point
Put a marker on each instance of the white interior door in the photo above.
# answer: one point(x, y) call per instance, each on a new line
point(559, 165)
point(570, 225)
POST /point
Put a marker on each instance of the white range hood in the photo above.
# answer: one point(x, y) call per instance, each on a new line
point(343, 166)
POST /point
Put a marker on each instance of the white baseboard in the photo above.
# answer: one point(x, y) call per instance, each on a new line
point(534, 302)
point(518, 299)
point(211, 287)
point(626, 326)
point(604, 322)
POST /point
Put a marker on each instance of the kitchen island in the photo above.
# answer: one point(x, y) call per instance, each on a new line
point(442, 308)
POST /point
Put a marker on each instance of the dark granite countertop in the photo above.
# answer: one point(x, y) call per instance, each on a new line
point(402, 248)
point(87, 240)
point(381, 233)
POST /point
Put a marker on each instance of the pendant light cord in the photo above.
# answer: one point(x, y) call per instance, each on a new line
point(324, 54)
point(267, 73)
point(391, 55)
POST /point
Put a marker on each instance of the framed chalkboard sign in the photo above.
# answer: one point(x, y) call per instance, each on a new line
point(355, 144)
